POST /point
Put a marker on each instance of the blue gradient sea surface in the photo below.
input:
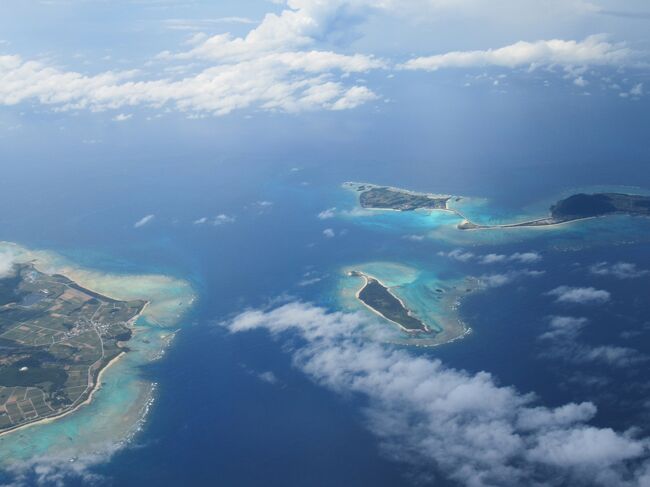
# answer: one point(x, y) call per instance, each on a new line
point(231, 409)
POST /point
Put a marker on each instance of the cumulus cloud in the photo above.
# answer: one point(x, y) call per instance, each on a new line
point(593, 51)
point(580, 295)
point(621, 270)
point(273, 67)
point(144, 221)
point(280, 64)
point(58, 469)
point(291, 84)
point(462, 426)
point(329, 233)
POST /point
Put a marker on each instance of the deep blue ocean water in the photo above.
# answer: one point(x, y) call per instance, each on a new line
point(215, 422)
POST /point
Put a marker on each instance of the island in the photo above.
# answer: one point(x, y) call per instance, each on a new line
point(389, 198)
point(575, 207)
point(580, 207)
point(56, 339)
point(379, 299)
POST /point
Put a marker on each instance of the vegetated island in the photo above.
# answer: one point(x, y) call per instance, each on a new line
point(383, 302)
point(580, 207)
point(388, 198)
point(576, 207)
point(56, 338)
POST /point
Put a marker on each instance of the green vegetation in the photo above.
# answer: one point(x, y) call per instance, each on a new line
point(581, 206)
point(55, 338)
point(394, 199)
point(589, 205)
point(379, 298)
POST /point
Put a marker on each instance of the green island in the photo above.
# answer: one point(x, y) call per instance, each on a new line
point(388, 198)
point(575, 207)
point(579, 207)
point(383, 302)
point(56, 339)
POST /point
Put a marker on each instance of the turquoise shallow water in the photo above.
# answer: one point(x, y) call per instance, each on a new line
point(120, 405)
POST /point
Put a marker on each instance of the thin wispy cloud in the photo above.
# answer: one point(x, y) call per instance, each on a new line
point(562, 341)
point(621, 270)
point(145, 220)
point(580, 295)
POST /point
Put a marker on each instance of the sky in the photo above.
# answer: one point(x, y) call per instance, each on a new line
point(202, 59)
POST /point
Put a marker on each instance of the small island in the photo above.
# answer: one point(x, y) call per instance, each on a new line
point(383, 302)
point(56, 339)
point(580, 207)
point(575, 207)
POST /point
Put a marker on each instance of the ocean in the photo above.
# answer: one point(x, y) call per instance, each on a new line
point(233, 409)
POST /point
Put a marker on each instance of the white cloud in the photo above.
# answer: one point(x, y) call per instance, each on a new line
point(517, 257)
point(526, 257)
point(143, 221)
point(122, 117)
point(414, 238)
point(563, 337)
point(580, 81)
point(200, 24)
point(58, 469)
point(564, 328)
point(280, 65)
point(222, 219)
point(329, 233)
point(580, 295)
point(266, 83)
point(501, 279)
point(622, 270)
point(492, 258)
point(463, 426)
point(268, 377)
point(308, 281)
point(328, 213)
point(611, 355)
point(7, 261)
point(593, 51)
point(457, 254)
point(201, 221)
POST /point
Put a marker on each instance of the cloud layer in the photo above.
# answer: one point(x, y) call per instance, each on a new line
point(593, 51)
point(449, 422)
point(281, 63)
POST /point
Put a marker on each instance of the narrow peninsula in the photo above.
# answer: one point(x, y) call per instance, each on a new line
point(56, 338)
